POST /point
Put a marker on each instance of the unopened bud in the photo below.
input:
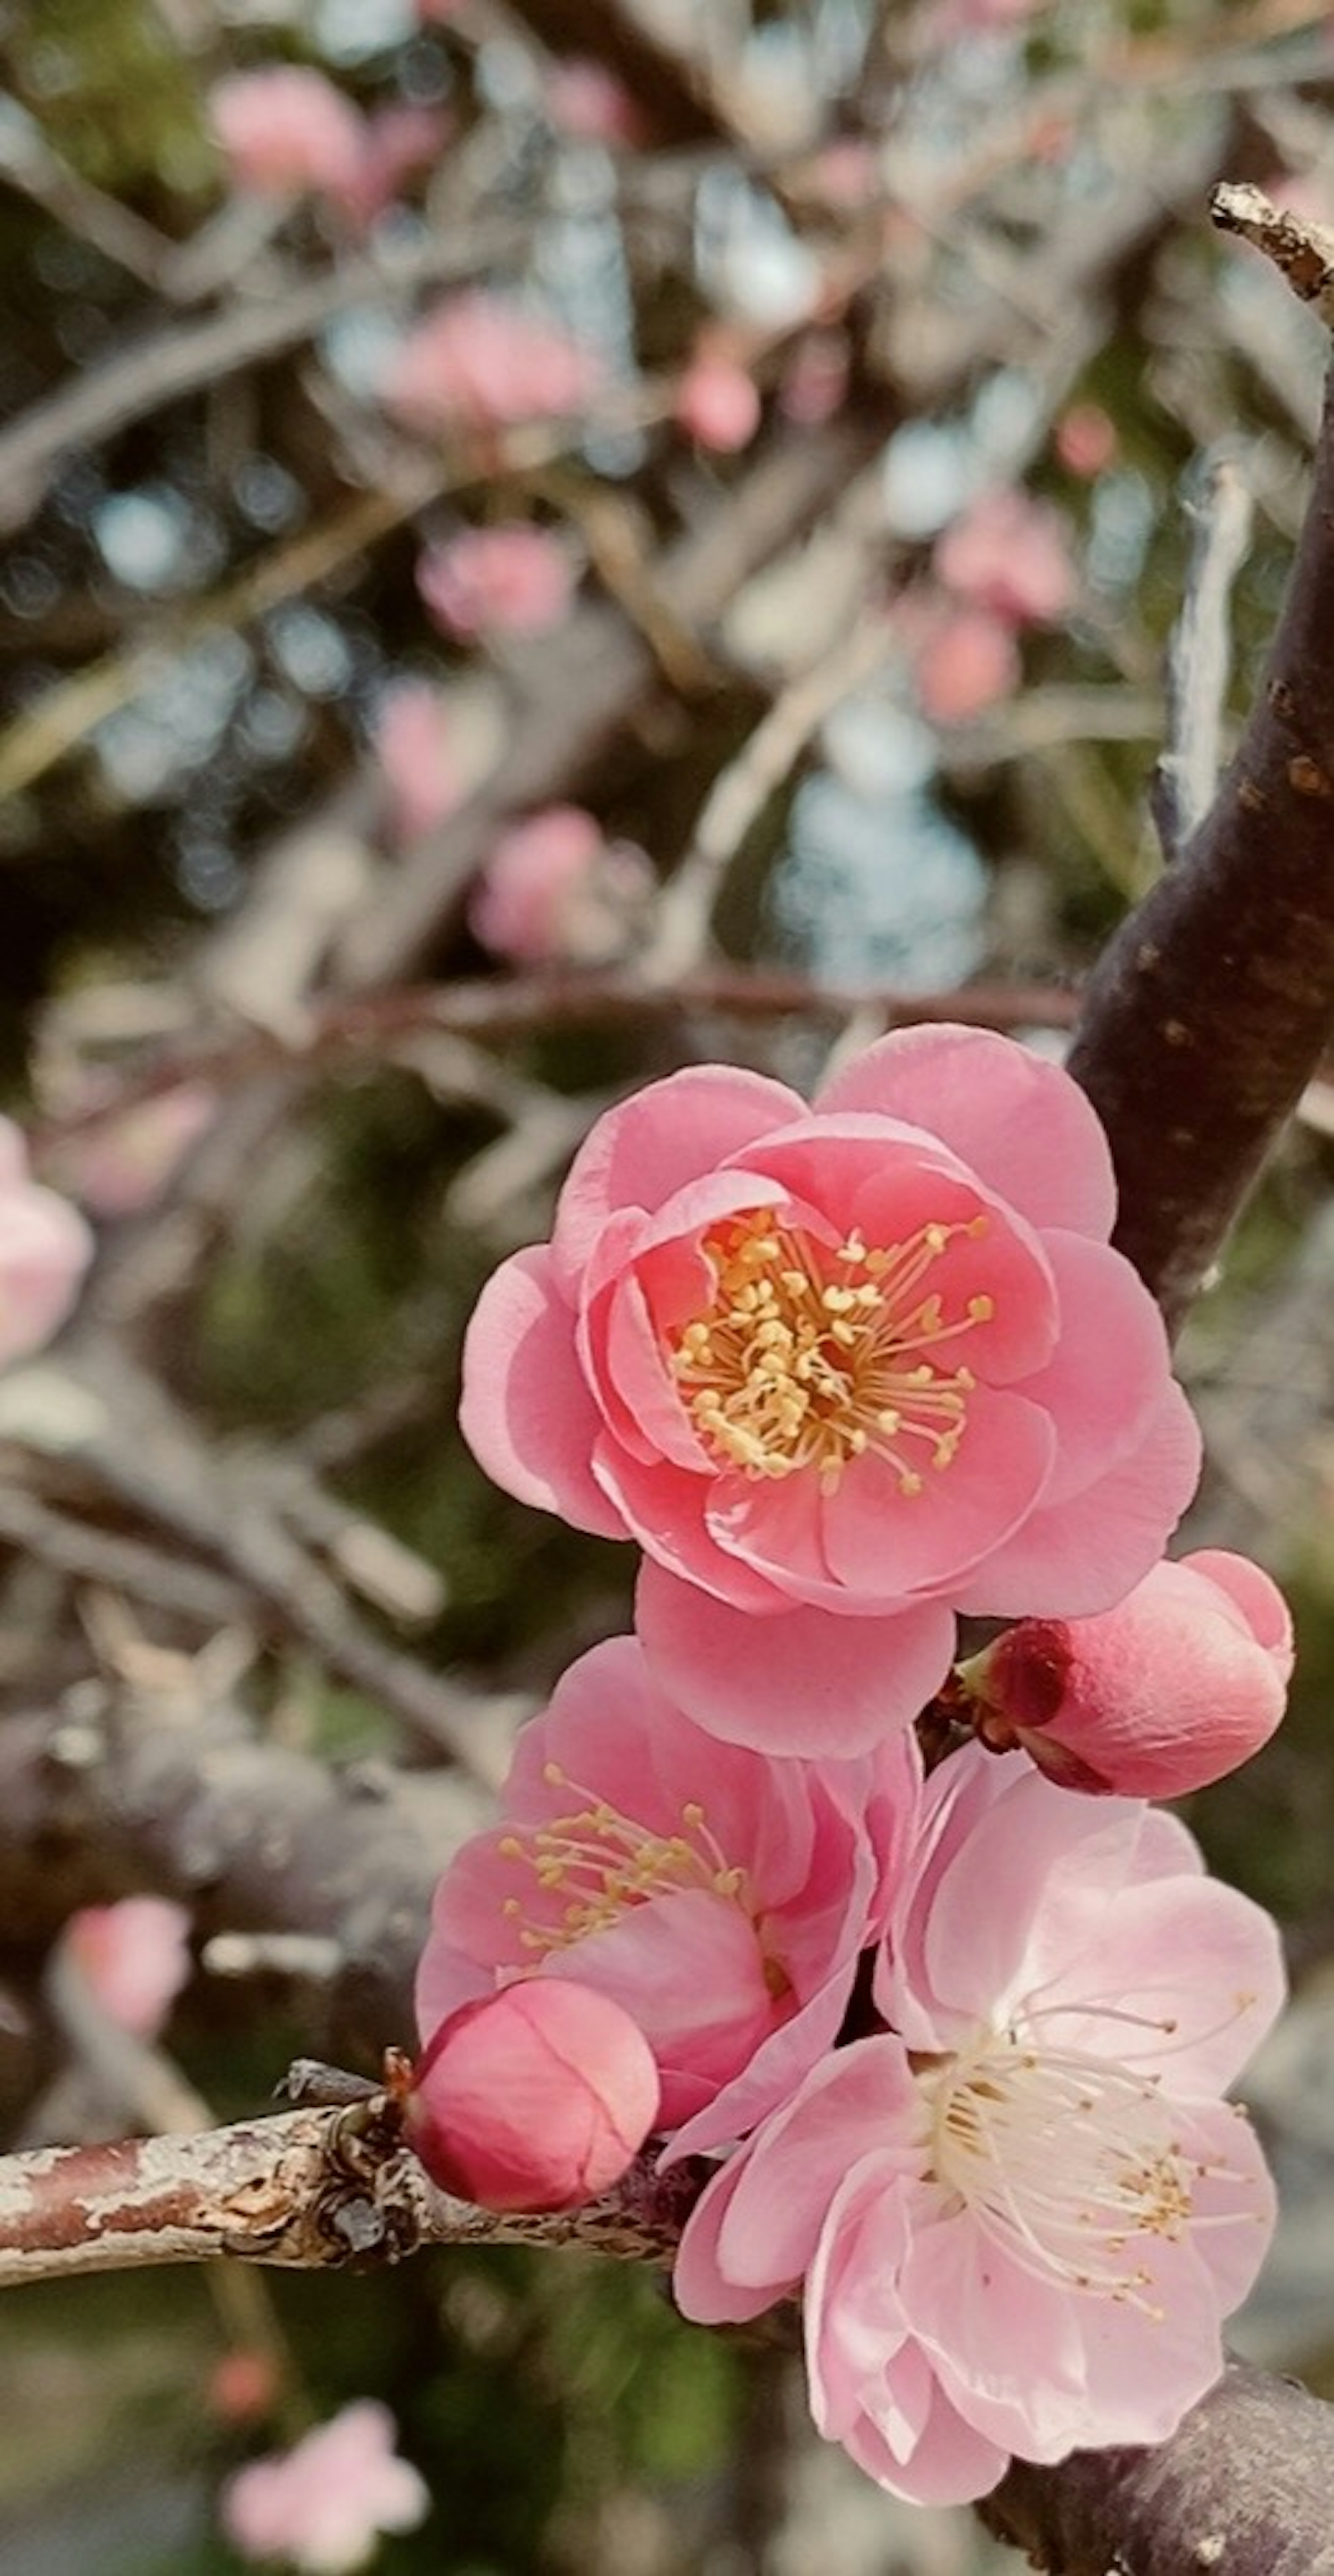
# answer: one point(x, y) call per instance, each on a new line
point(536, 2098)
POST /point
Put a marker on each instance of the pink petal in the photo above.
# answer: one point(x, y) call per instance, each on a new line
point(1195, 1956)
point(664, 1508)
point(1085, 1554)
point(879, 1540)
point(1017, 1121)
point(670, 1133)
point(702, 2290)
point(526, 1412)
point(1259, 1600)
point(1101, 1411)
point(805, 1681)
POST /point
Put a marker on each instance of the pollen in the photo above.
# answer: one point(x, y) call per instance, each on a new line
point(588, 1866)
point(809, 1357)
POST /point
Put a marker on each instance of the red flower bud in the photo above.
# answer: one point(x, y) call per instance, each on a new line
point(1181, 1682)
point(535, 2098)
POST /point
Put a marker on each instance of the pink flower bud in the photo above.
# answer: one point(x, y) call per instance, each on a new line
point(717, 405)
point(134, 1956)
point(538, 2097)
point(1181, 1682)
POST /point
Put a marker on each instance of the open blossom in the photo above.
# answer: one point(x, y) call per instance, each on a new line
point(841, 1371)
point(1022, 2214)
point(478, 363)
point(535, 2097)
point(414, 739)
point(286, 132)
point(555, 890)
point(718, 404)
point(134, 1956)
point(45, 1247)
point(323, 2505)
point(496, 581)
point(1179, 1683)
point(722, 1898)
point(1010, 554)
point(967, 660)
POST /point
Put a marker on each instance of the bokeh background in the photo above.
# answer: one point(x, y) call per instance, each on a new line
point(915, 385)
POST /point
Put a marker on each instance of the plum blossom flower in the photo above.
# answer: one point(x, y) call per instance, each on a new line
point(324, 2504)
point(496, 581)
point(1022, 2214)
point(841, 1371)
point(1176, 1685)
point(422, 771)
point(287, 132)
point(134, 1956)
point(555, 889)
point(586, 101)
point(1085, 439)
point(477, 364)
point(536, 2097)
point(720, 1897)
point(718, 405)
point(968, 660)
point(1011, 555)
point(45, 1247)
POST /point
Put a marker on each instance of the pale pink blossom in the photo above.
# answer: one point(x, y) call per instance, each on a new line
point(721, 1897)
point(841, 1371)
point(967, 661)
point(588, 102)
point(1085, 439)
point(324, 2505)
point(243, 2385)
point(717, 405)
point(815, 380)
point(1183, 1680)
point(535, 2096)
point(479, 364)
point(555, 890)
point(496, 581)
point(287, 132)
point(1022, 2214)
point(123, 1164)
point(134, 1957)
point(1009, 554)
point(413, 737)
point(45, 1247)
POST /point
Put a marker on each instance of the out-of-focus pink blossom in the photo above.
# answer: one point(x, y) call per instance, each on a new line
point(967, 661)
point(287, 132)
point(846, 174)
point(45, 1247)
point(841, 1372)
point(496, 581)
point(721, 1897)
point(1085, 439)
point(815, 380)
point(554, 889)
point(1011, 555)
point(134, 1956)
point(479, 364)
point(123, 1164)
point(324, 2505)
point(1023, 2213)
point(397, 143)
point(1183, 1680)
point(536, 2097)
point(243, 2385)
point(412, 738)
point(717, 405)
point(588, 102)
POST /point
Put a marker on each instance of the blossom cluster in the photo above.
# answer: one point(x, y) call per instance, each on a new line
point(956, 2039)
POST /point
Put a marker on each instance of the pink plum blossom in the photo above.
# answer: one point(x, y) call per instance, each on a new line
point(45, 1247)
point(842, 1372)
point(397, 142)
point(815, 380)
point(134, 1957)
point(1085, 439)
point(1010, 555)
point(496, 581)
point(287, 132)
point(536, 2096)
point(1021, 2214)
point(478, 364)
point(324, 2505)
point(1169, 1690)
point(554, 890)
point(588, 102)
point(967, 661)
point(717, 404)
point(422, 772)
point(721, 1897)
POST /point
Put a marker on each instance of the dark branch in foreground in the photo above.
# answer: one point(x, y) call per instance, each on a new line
point(1207, 1014)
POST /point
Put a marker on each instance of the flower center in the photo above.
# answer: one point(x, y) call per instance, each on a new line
point(588, 1867)
point(809, 1358)
point(1062, 2158)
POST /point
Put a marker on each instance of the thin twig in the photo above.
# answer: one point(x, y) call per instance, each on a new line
point(1200, 656)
